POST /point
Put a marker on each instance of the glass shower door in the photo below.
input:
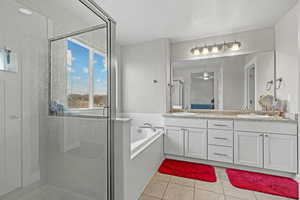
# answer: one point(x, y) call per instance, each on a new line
point(81, 109)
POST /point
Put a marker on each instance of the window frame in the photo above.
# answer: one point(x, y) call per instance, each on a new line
point(91, 86)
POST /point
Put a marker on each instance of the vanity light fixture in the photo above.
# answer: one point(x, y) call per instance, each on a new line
point(236, 46)
point(196, 52)
point(205, 50)
point(216, 48)
point(25, 11)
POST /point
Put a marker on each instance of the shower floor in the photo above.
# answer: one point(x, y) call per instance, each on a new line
point(48, 192)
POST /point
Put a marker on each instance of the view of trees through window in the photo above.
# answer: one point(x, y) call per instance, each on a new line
point(87, 76)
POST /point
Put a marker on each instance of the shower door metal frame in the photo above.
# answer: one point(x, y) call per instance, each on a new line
point(110, 25)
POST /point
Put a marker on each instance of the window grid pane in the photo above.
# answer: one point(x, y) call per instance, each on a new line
point(78, 77)
point(100, 80)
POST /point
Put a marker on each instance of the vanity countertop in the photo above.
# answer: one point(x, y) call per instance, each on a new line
point(229, 116)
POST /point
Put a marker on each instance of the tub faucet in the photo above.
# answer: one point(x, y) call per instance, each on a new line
point(148, 125)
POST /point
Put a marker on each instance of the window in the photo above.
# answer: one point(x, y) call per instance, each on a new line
point(99, 80)
point(86, 76)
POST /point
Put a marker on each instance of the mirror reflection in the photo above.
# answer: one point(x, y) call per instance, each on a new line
point(224, 83)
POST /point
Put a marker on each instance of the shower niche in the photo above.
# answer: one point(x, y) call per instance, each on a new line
point(8, 60)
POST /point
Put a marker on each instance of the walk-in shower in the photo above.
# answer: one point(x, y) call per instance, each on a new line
point(58, 107)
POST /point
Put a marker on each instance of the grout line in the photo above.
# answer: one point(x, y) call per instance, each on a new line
point(166, 189)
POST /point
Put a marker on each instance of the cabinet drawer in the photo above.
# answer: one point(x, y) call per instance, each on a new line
point(266, 127)
point(220, 137)
point(220, 124)
point(221, 154)
point(186, 122)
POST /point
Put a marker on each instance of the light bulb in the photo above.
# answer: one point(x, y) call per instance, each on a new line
point(25, 11)
point(235, 46)
point(196, 52)
point(205, 51)
point(215, 49)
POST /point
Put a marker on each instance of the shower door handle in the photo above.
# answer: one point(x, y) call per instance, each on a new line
point(104, 108)
point(14, 117)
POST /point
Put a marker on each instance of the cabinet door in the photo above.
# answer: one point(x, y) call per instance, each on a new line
point(196, 143)
point(280, 152)
point(248, 149)
point(173, 141)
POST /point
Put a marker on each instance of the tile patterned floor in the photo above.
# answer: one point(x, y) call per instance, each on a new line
point(166, 187)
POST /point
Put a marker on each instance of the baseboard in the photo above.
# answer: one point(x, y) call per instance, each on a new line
point(35, 177)
point(233, 166)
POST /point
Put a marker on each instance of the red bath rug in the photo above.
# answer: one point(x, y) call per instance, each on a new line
point(188, 170)
point(270, 184)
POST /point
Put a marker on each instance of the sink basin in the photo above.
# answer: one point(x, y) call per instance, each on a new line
point(254, 116)
point(184, 114)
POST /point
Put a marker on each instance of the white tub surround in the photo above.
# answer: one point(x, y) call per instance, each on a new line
point(266, 145)
point(138, 154)
point(142, 138)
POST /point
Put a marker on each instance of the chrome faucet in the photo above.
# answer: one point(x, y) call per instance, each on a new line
point(150, 126)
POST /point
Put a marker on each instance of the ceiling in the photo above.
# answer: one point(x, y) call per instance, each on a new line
point(64, 12)
point(144, 20)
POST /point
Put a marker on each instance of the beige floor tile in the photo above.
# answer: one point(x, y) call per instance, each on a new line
point(206, 195)
point(230, 190)
point(146, 197)
point(156, 188)
point(219, 169)
point(263, 196)
point(231, 198)
point(178, 192)
point(182, 181)
point(213, 187)
point(161, 177)
point(221, 174)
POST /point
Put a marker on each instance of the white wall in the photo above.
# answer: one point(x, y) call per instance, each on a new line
point(298, 29)
point(286, 37)
point(27, 35)
point(141, 64)
point(252, 41)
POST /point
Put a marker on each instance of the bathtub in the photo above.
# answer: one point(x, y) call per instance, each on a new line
point(138, 155)
point(142, 138)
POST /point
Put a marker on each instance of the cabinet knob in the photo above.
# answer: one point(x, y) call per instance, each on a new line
point(266, 135)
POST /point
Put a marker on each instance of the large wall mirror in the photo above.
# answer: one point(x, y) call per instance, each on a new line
point(223, 83)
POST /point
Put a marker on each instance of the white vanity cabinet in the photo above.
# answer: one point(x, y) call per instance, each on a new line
point(280, 152)
point(174, 141)
point(186, 137)
point(248, 149)
point(196, 143)
point(269, 145)
point(220, 140)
